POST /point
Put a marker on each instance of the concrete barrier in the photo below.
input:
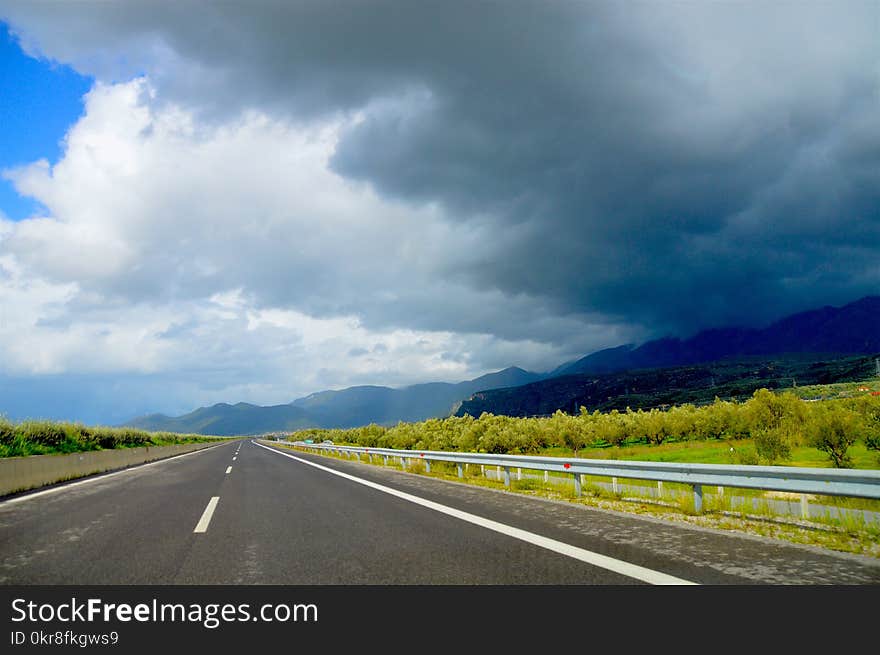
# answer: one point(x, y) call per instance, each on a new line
point(23, 473)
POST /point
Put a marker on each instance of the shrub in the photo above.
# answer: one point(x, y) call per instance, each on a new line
point(44, 433)
point(747, 457)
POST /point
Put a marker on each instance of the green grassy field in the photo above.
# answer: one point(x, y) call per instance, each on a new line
point(718, 452)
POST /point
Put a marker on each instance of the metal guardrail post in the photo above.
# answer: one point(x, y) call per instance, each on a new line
point(614, 486)
point(577, 484)
point(460, 471)
point(427, 466)
point(805, 507)
point(506, 476)
point(698, 498)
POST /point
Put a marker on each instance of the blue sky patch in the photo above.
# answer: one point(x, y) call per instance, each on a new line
point(39, 101)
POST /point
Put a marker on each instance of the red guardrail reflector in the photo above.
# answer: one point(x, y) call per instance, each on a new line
point(421, 454)
point(567, 465)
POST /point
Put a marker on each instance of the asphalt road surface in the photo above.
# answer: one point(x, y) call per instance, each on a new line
point(245, 513)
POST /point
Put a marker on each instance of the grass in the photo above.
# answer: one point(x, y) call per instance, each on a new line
point(54, 437)
point(716, 452)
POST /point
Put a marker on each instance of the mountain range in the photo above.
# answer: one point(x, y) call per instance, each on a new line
point(826, 333)
point(344, 408)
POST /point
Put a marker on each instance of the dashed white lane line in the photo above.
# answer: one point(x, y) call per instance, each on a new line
point(202, 525)
point(603, 561)
point(228, 470)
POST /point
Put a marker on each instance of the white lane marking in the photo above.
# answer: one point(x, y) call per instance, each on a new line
point(202, 525)
point(104, 476)
point(603, 561)
point(233, 459)
point(228, 470)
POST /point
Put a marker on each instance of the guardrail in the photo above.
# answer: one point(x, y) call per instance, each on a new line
point(827, 482)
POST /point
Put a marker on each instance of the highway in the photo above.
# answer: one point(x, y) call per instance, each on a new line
point(243, 513)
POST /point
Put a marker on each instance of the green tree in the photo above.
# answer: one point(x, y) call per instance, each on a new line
point(682, 422)
point(833, 430)
point(610, 427)
point(655, 426)
point(568, 431)
point(772, 444)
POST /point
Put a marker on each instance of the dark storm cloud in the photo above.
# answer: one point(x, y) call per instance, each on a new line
point(670, 166)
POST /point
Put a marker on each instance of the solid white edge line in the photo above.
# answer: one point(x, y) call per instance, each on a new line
point(202, 525)
point(603, 561)
point(97, 477)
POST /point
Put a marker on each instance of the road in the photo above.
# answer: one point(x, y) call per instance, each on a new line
point(245, 513)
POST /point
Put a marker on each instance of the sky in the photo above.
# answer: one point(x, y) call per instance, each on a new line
point(223, 202)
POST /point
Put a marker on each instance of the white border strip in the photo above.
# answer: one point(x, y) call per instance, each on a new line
point(602, 561)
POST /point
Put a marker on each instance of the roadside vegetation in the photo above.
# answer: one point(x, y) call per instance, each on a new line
point(769, 428)
point(51, 437)
point(819, 426)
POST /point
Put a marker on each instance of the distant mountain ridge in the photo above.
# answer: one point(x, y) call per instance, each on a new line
point(850, 329)
point(362, 405)
point(847, 330)
point(223, 419)
point(728, 379)
point(345, 408)
point(630, 376)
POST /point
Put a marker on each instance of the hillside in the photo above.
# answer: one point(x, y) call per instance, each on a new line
point(223, 420)
point(733, 379)
point(362, 405)
point(850, 329)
